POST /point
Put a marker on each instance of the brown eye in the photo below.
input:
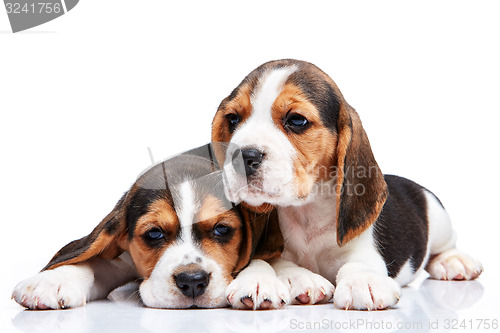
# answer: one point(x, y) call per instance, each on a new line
point(297, 120)
point(154, 237)
point(222, 233)
point(296, 123)
point(221, 230)
point(154, 234)
point(233, 119)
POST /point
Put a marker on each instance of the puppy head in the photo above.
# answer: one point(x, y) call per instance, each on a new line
point(298, 138)
point(185, 239)
point(187, 243)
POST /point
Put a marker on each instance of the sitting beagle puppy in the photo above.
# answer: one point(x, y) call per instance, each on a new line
point(173, 230)
point(305, 151)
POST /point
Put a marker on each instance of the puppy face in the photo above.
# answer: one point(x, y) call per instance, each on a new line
point(185, 238)
point(298, 138)
point(283, 119)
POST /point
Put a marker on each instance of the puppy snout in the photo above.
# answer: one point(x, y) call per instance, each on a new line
point(251, 158)
point(192, 284)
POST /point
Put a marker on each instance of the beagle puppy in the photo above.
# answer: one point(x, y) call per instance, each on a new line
point(174, 231)
point(306, 152)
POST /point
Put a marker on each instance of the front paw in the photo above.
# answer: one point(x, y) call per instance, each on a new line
point(366, 291)
point(306, 287)
point(257, 288)
point(55, 289)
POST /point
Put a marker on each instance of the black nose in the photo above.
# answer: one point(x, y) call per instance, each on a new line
point(252, 159)
point(192, 284)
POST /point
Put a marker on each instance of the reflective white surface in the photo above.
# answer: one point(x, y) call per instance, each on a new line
point(427, 305)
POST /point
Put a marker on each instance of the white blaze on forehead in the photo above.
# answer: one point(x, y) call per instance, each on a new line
point(184, 250)
point(269, 88)
point(185, 210)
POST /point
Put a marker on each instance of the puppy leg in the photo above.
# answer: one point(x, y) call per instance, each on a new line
point(305, 286)
point(363, 282)
point(73, 285)
point(257, 287)
point(446, 262)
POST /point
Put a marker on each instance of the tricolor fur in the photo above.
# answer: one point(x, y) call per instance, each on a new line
point(174, 231)
point(307, 153)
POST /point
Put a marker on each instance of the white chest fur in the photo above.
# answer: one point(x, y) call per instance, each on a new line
point(311, 238)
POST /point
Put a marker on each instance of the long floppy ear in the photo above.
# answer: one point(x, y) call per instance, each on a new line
point(103, 241)
point(361, 190)
point(262, 237)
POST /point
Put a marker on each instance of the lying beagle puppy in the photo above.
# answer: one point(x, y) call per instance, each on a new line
point(305, 151)
point(175, 231)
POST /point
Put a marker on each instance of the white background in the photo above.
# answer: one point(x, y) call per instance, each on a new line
point(83, 96)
